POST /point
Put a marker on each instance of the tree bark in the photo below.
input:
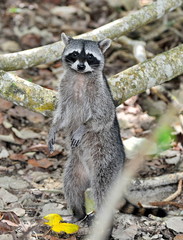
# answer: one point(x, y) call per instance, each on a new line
point(115, 29)
point(130, 82)
point(150, 73)
point(27, 94)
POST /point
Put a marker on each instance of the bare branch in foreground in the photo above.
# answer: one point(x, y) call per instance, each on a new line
point(104, 217)
point(115, 29)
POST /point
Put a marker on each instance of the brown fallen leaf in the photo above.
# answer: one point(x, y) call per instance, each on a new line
point(19, 112)
point(45, 73)
point(57, 64)
point(30, 40)
point(42, 148)
point(5, 105)
point(1, 117)
point(4, 227)
point(178, 237)
point(10, 216)
point(43, 163)
point(35, 117)
point(38, 148)
point(8, 221)
point(18, 157)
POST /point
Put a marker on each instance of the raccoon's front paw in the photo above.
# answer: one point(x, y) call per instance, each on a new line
point(75, 142)
point(51, 141)
point(77, 136)
point(50, 145)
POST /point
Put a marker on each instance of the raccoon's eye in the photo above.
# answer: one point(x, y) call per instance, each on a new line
point(90, 56)
point(75, 54)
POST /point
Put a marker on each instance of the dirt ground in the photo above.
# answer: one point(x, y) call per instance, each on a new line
point(30, 178)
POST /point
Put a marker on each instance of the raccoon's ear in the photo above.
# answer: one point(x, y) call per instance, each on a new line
point(104, 44)
point(66, 39)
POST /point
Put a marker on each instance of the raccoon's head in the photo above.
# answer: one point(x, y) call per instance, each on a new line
point(84, 56)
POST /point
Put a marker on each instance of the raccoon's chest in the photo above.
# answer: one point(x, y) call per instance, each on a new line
point(75, 100)
point(79, 88)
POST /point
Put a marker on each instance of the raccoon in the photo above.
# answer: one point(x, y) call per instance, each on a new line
point(86, 114)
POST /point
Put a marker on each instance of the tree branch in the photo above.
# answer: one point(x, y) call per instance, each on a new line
point(130, 82)
point(26, 94)
point(150, 73)
point(52, 52)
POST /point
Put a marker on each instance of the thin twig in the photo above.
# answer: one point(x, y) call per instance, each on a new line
point(175, 194)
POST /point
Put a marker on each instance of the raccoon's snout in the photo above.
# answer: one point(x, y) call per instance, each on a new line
point(81, 67)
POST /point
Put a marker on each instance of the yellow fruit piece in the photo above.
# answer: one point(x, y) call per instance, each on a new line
point(68, 228)
point(53, 219)
point(57, 226)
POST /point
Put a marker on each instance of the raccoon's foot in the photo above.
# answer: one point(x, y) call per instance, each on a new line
point(50, 145)
point(74, 219)
point(88, 219)
point(77, 136)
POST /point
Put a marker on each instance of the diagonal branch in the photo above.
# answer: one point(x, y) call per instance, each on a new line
point(150, 73)
point(26, 94)
point(130, 82)
point(115, 29)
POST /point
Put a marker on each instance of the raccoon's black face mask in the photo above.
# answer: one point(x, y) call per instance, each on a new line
point(84, 55)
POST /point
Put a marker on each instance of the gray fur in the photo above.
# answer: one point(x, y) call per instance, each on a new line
point(104, 44)
point(86, 114)
point(66, 39)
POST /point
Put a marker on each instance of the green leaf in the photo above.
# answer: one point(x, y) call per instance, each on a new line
point(29, 79)
point(14, 10)
point(164, 138)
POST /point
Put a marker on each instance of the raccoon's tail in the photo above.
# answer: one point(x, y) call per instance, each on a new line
point(130, 208)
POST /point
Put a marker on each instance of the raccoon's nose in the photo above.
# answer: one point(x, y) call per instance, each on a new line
point(81, 66)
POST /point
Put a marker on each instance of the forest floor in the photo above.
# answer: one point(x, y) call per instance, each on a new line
point(30, 178)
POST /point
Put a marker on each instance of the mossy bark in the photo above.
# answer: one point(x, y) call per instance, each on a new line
point(143, 76)
point(124, 85)
point(27, 94)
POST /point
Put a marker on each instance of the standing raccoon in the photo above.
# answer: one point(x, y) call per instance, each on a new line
point(86, 114)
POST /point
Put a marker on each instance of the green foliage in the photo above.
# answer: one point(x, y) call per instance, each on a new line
point(30, 80)
point(14, 10)
point(164, 138)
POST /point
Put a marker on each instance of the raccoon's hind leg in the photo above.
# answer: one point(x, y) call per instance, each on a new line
point(107, 166)
point(101, 183)
point(76, 181)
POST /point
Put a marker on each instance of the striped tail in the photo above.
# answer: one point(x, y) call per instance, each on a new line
point(130, 208)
